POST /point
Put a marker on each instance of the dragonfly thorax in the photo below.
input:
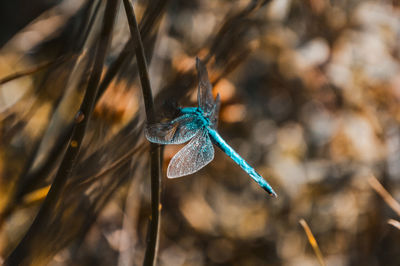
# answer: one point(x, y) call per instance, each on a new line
point(202, 117)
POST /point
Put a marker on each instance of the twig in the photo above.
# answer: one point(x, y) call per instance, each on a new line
point(312, 241)
point(394, 223)
point(21, 252)
point(393, 204)
point(154, 223)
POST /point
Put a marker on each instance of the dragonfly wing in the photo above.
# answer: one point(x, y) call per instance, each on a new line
point(177, 131)
point(215, 113)
point(204, 93)
point(194, 156)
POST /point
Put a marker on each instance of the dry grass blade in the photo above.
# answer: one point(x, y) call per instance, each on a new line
point(312, 241)
point(395, 223)
point(36, 196)
point(22, 252)
point(377, 186)
point(124, 159)
point(40, 194)
point(33, 70)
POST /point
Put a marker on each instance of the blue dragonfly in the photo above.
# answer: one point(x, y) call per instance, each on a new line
point(198, 124)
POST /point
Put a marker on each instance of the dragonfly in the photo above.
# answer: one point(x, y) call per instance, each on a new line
point(198, 125)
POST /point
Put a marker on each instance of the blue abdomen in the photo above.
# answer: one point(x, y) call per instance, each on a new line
point(221, 143)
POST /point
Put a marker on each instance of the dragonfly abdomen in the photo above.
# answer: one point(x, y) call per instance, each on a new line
point(221, 143)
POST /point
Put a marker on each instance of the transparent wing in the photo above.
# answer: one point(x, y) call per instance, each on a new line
point(194, 156)
point(177, 131)
point(204, 93)
point(215, 113)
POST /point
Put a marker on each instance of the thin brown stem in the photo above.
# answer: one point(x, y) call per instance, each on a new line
point(154, 223)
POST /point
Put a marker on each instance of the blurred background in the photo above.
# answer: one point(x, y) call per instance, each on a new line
point(310, 94)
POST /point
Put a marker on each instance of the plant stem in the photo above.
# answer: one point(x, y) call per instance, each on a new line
point(20, 256)
point(141, 60)
point(154, 223)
